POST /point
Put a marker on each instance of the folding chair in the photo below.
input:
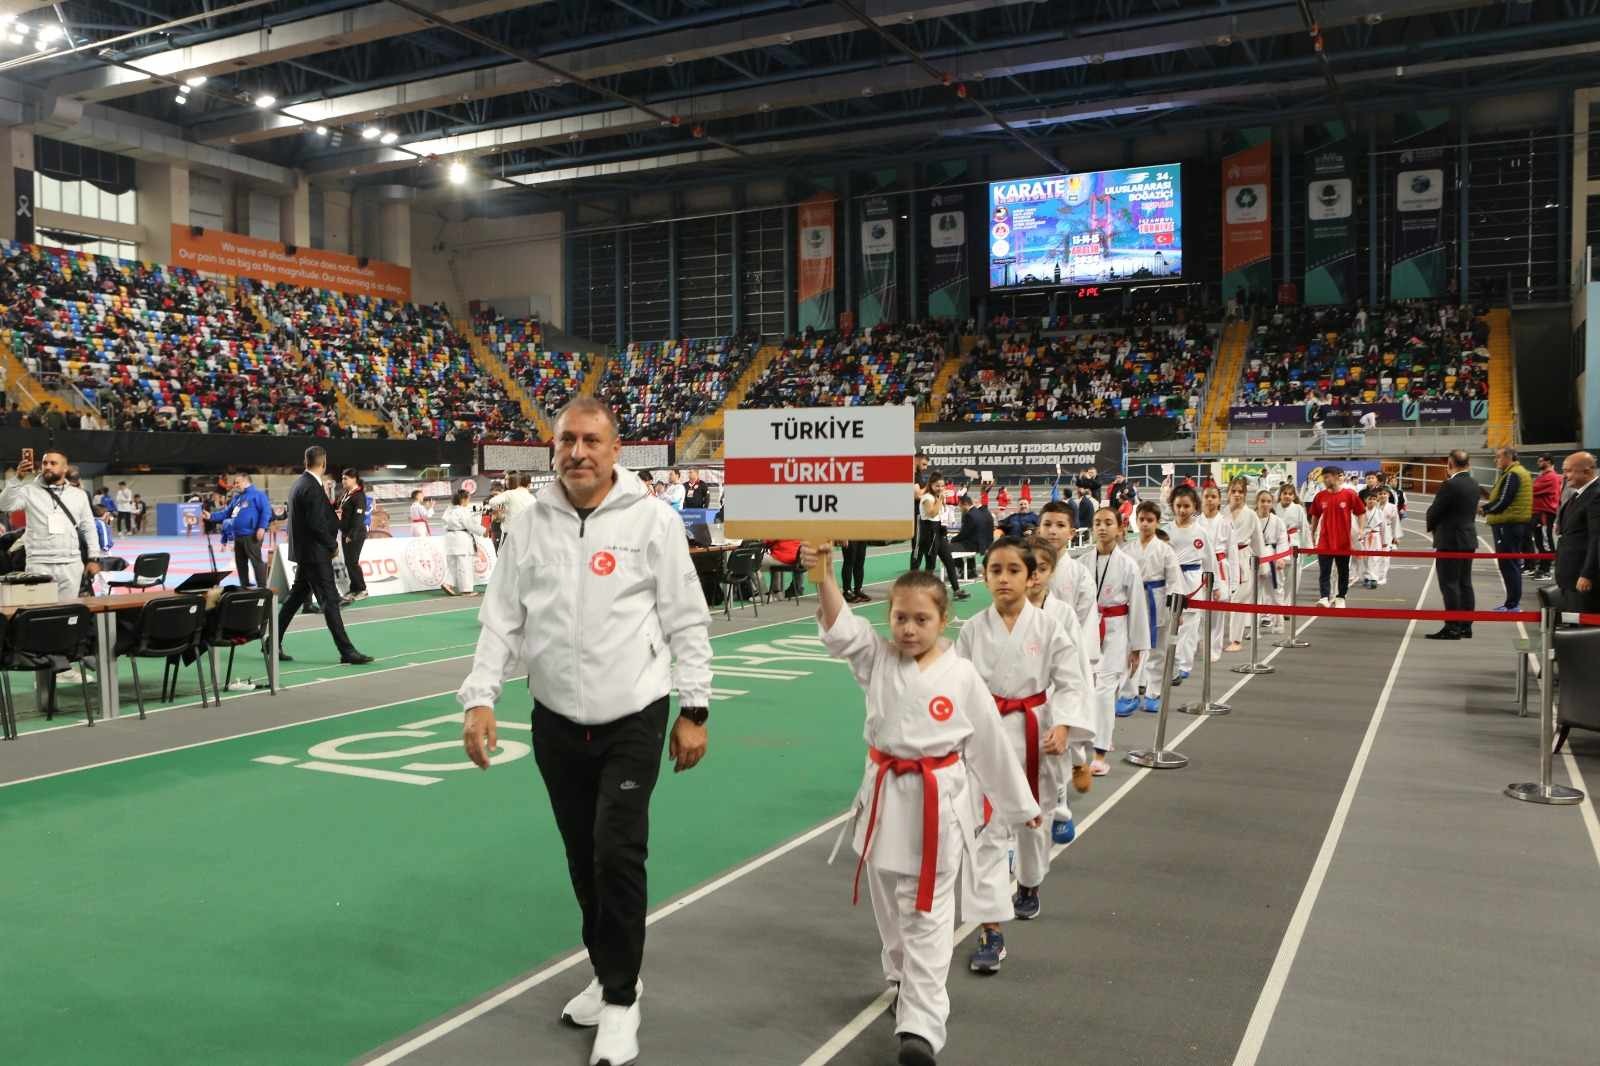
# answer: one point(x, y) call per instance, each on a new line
point(34, 639)
point(167, 629)
point(240, 617)
point(149, 572)
point(740, 575)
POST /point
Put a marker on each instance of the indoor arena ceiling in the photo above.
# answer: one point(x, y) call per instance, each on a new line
point(595, 95)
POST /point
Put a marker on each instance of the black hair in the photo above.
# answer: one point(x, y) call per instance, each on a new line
point(922, 581)
point(1015, 544)
point(1186, 491)
point(1148, 507)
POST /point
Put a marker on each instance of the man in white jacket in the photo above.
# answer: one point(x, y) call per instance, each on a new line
point(596, 595)
point(60, 524)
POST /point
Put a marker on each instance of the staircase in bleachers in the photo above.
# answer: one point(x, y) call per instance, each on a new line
point(1224, 382)
point(1501, 427)
point(710, 427)
point(20, 385)
point(598, 365)
point(929, 412)
point(488, 359)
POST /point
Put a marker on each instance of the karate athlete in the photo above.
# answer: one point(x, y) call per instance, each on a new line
point(460, 545)
point(1296, 526)
point(1159, 574)
point(1192, 545)
point(1123, 626)
point(1078, 756)
point(1071, 580)
point(1377, 534)
point(1276, 538)
point(1035, 674)
point(421, 511)
point(934, 744)
point(1244, 549)
point(1220, 532)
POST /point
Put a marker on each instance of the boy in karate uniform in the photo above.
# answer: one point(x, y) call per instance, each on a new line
point(934, 743)
point(1220, 532)
point(1071, 580)
point(1078, 756)
point(1192, 546)
point(1244, 549)
point(1159, 574)
point(1035, 673)
point(1123, 628)
point(1275, 537)
point(1377, 533)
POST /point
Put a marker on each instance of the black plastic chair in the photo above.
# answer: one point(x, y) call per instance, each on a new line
point(168, 628)
point(149, 572)
point(741, 577)
point(793, 589)
point(240, 617)
point(1577, 654)
point(37, 639)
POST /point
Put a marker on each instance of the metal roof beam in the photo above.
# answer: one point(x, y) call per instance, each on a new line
point(782, 27)
point(874, 82)
point(266, 45)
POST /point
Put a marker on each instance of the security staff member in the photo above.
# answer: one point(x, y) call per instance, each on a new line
point(60, 531)
point(313, 538)
point(596, 592)
point(353, 530)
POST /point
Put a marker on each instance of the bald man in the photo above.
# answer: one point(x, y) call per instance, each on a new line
point(1578, 536)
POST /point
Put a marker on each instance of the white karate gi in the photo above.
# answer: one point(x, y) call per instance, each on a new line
point(1160, 577)
point(460, 547)
point(1072, 583)
point(1275, 537)
point(1376, 534)
point(1220, 532)
point(923, 714)
point(1244, 549)
point(1192, 546)
point(1036, 656)
point(1118, 585)
point(1078, 753)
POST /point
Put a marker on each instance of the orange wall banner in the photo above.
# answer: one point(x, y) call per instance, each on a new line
point(815, 294)
point(218, 252)
point(1247, 207)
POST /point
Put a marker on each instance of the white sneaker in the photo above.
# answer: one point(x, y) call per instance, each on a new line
point(1338, 601)
point(70, 676)
point(583, 1009)
point(616, 1041)
point(1323, 602)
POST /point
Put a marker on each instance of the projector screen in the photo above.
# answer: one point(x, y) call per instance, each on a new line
point(1105, 226)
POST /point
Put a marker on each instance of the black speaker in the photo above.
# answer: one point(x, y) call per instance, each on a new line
point(197, 231)
point(290, 249)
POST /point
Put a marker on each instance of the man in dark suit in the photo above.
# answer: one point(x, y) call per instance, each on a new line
point(1578, 536)
point(977, 528)
point(313, 540)
point(1453, 521)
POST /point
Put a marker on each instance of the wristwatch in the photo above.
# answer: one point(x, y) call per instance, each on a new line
point(697, 715)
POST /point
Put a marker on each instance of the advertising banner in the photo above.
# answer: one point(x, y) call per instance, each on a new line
point(392, 565)
point(1416, 219)
point(1330, 215)
point(815, 294)
point(1107, 225)
point(1405, 412)
point(1034, 453)
point(1260, 473)
point(1247, 214)
point(949, 281)
point(217, 252)
point(880, 265)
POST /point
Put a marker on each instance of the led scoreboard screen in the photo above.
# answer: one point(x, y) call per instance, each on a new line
point(1105, 226)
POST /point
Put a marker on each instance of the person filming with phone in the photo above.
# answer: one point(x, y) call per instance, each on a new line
point(60, 530)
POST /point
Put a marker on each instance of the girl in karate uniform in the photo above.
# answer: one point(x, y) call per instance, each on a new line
point(1159, 574)
point(1062, 829)
point(1244, 548)
point(421, 511)
point(1275, 537)
point(1122, 627)
point(1192, 546)
point(1296, 527)
point(1377, 531)
point(1220, 532)
point(460, 546)
point(934, 743)
point(1035, 674)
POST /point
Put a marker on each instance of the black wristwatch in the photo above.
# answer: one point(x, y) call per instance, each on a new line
point(697, 715)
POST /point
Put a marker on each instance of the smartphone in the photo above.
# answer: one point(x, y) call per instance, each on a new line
point(27, 455)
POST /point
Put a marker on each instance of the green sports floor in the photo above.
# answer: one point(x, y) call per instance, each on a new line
point(318, 877)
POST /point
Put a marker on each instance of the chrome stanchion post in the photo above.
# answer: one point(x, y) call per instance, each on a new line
point(1292, 639)
point(1158, 757)
point(1205, 705)
point(1545, 790)
point(1255, 665)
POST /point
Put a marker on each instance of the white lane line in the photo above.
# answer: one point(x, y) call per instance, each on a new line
point(1590, 822)
point(860, 1023)
point(368, 772)
point(1255, 1034)
point(274, 760)
point(539, 977)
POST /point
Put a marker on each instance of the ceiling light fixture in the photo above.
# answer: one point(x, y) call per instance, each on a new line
point(322, 131)
point(265, 100)
point(49, 32)
point(371, 133)
point(390, 137)
point(458, 173)
point(181, 99)
point(195, 81)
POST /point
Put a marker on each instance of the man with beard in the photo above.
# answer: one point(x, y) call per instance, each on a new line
point(60, 530)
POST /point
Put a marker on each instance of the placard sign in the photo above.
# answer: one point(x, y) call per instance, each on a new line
point(818, 473)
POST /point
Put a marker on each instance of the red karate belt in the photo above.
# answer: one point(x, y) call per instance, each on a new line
point(888, 764)
point(1118, 611)
point(1030, 732)
point(1222, 565)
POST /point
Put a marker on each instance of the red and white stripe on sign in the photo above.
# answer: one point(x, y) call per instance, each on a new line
point(823, 470)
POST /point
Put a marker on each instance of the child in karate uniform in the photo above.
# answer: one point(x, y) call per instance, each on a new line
point(1122, 626)
point(934, 743)
point(1245, 547)
point(460, 545)
point(1035, 673)
point(1078, 756)
point(1377, 534)
point(1192, 546)
point(1220, 532)
point(1071, 579)
point(1275, 537)
point(1296, 527)
point(1159, 574)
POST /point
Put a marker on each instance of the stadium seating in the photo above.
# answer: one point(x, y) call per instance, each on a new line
point(550, 378)
point(1141, 371)
point(885, 365)
point(1421, 351)
point(658, 388)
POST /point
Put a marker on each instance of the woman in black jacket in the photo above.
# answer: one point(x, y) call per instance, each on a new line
point(353, 530)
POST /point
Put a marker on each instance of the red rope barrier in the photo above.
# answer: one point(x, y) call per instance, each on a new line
point(1382, 613)
point(1581, 619)
point(1425, 554)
